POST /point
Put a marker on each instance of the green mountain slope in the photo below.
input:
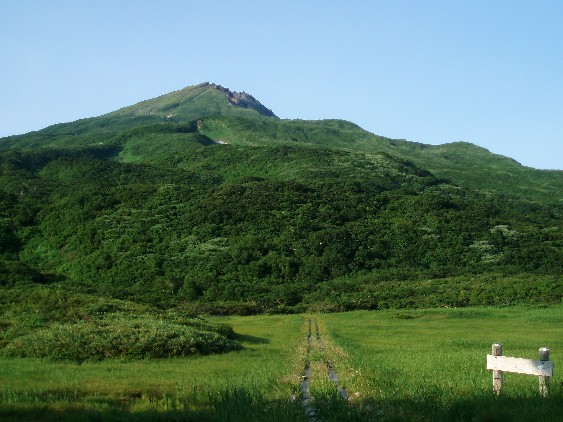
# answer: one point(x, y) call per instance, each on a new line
point(462, 163)
point(181, 106)
point(240, 119)
point(204, 196)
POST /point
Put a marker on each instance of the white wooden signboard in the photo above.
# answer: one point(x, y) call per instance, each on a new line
point(543, 367)
point(520, 366)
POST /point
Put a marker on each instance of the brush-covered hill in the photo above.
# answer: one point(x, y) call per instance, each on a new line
point(463, 163)
point(204, 198)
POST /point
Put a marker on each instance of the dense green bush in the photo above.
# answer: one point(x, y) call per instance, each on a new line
point(38, 319)
point(119, 338)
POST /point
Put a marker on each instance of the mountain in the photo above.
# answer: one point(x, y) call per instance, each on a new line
point(181, 106)
point(193, 102)
point(203, 197)
point(240, 119)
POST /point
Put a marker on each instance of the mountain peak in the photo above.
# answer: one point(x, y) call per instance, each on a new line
point(239, 99)
point(197, 101)
point(181, 106)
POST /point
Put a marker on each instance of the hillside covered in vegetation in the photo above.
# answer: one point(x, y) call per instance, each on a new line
point(203, 199)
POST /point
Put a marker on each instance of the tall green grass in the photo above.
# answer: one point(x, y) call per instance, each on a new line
point(430, 364)
point(257, 383)
point(407, 365)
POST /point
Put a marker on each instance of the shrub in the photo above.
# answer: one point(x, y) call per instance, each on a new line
point(119, 338)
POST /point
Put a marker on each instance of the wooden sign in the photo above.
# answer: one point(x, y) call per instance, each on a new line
point(499, 364)
point(520, 366)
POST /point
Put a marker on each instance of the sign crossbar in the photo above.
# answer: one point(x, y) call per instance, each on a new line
point(519, 365)
point(542, 368)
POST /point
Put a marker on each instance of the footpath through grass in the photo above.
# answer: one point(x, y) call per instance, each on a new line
point(415, 365)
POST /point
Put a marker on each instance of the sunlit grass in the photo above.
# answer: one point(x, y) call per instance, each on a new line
point(430, 364)
point(257, 382)
point(422, 365)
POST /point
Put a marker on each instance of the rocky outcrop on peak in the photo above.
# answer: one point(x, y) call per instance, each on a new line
point(241, 99)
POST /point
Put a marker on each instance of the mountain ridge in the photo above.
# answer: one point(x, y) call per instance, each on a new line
point(238, 118)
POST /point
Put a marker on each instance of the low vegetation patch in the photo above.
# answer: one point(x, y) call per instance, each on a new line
point(53, 323)
point(119, 338)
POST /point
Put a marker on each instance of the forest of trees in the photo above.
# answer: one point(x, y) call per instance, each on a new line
point(224, 225)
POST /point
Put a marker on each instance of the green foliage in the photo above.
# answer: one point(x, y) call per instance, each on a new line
point(461, 163)
point(379, 291)
point(204, 230)
point(423, 365)
point(194, 199)
point(118, 338)
point(59, 324)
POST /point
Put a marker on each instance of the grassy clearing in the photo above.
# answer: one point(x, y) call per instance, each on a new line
point(430, 364)
point(421, 365)
point(256, 383)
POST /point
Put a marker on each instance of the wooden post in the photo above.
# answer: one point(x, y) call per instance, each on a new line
point(497, 375)
point(499, 364)
point(544, 380)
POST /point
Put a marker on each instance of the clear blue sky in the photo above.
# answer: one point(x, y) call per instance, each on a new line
point(488, 72)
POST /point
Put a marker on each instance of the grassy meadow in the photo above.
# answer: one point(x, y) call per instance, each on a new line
point(431, 364)
point(394, 365)
point(256, 383)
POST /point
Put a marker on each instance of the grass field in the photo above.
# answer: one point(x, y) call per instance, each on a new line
point(254, 384)
point(394, 365)
point(430, 364)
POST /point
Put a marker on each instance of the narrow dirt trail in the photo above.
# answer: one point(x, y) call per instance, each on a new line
point(306, 396)
point(332, 375)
